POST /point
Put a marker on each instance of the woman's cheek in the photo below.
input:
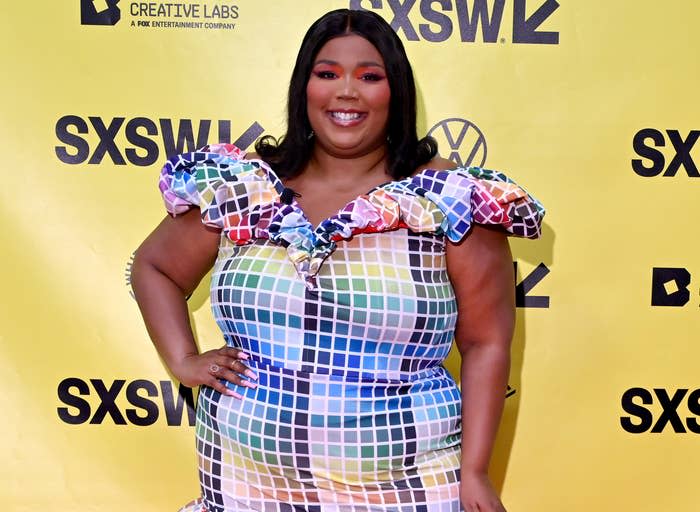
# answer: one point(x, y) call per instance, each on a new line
point(381, 96)
point(316, 92)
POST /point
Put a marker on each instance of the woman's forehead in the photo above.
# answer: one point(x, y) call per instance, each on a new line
point(350, 48)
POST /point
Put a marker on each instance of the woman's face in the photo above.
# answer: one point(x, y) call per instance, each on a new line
point(348, 97)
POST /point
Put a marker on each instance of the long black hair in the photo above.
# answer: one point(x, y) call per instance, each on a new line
point(405, 152)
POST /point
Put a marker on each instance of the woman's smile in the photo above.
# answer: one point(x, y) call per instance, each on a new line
point(348, 97)
point(347, 117)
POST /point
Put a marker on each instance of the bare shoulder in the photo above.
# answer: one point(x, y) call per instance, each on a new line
point(437, 163)
point(252, 156)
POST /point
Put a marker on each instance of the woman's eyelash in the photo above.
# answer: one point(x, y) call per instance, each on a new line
point(329, 75)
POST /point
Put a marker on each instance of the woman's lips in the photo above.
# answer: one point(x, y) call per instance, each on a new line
point(346, 117)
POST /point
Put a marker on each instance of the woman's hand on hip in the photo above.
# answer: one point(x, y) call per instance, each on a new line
point(214, 367)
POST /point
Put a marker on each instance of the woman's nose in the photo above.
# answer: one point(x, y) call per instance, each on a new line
point(347, 89)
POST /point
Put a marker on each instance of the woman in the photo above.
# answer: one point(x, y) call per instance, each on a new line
point(345, 262)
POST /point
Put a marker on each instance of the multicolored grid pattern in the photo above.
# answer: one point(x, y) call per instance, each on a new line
point(353, 410)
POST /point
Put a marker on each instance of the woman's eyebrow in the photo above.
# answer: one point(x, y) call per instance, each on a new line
point(359, 64)
point(367, 63)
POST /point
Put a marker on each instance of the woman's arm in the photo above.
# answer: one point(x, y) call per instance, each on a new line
point(167, 268)
point(481, 270)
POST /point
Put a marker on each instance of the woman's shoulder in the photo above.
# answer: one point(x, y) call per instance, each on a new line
point(437, 163)
point(468, 195)
point(196, 178)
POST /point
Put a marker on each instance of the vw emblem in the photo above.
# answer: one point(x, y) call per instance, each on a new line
point(466, 142)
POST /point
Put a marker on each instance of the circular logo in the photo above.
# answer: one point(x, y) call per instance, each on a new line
point(127, 274)
point(466, 143)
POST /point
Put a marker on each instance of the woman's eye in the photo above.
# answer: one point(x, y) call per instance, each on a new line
point(325, 75)
point(371, 77)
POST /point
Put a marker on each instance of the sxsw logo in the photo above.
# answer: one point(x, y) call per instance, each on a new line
point(466, 142)
point(654, 162)
point(139, 402)
point(670, 286)
point(99, 12)
point(140, 141)
point(658, 411)
point(438, 24)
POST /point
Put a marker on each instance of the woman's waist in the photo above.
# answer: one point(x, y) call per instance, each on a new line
point(374, 373)
point(340, 358)
point(322, 400)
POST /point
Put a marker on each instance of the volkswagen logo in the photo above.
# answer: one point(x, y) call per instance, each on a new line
point(465, 141)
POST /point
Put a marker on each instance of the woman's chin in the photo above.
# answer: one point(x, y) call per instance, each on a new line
point(351, 146)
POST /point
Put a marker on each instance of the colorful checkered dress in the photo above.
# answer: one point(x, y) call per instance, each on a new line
point(347, 325)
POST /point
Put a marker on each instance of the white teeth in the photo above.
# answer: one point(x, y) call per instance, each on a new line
point(345, 116)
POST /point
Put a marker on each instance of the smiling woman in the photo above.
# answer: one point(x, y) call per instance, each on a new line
point(347, 105)
point(346, 260)
point(404, 151)
point(348, 97)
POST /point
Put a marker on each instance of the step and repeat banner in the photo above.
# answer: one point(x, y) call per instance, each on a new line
point(592, 106)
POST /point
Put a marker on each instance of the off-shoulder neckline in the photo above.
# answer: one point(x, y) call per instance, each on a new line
point(280, 186)
point(437, 201)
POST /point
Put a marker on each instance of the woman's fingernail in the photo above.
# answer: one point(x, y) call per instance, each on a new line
point(242, 355)
point(248, 384)
point(250, 374)
point(232, 393)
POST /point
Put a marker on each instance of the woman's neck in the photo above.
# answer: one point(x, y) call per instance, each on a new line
point(325, 166)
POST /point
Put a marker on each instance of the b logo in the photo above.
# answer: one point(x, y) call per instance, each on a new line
point(466, 142)
point(669, 286)
point(99, 12)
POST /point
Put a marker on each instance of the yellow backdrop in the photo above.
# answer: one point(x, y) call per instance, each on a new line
point(591, 105)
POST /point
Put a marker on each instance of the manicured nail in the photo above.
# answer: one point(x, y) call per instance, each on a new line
point(232, 393)
point(248, 384)
point(242, 355)
point(250, 374)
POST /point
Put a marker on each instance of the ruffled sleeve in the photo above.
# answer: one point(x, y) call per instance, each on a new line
point(218, 181)
point(244, 199)
point(449, 202)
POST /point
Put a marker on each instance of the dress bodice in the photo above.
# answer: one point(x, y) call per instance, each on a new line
point(243, 198)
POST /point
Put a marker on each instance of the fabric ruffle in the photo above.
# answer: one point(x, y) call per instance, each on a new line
point(243, 198)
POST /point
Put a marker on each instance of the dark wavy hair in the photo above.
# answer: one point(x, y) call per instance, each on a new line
point(405, 152)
